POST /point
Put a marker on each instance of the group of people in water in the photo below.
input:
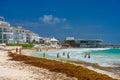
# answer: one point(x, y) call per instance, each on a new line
point(58, 55)
point(87, 55)
point(68, 55)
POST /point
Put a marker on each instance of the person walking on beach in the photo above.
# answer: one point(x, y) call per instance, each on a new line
point(16, 50)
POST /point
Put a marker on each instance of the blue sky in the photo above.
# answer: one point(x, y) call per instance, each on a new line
point(84, 19)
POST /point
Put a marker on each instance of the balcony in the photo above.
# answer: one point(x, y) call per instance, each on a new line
point(7, 32)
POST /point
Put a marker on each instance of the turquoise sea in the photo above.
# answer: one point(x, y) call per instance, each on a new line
point(106, 57)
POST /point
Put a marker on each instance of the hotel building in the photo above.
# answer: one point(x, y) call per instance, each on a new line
point(14, 35)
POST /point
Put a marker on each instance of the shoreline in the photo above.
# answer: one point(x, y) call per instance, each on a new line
point(59, 61)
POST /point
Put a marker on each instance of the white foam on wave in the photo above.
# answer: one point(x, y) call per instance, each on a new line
point(84, 49)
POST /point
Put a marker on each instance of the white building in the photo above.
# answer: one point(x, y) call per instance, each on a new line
point(6, 33)
point(11, 35)
point(19, 35)
point(52, 42)
point(30, 36)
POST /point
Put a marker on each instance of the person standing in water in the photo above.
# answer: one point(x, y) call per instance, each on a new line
point(63, 53)
point(44, 54)
point(58, 55)
point(68, 55)
point(85, 55)
point(88, 55)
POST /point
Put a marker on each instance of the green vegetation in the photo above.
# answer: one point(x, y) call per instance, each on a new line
point(23, 45)
point(71, 70)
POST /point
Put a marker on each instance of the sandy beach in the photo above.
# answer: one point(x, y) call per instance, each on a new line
point(14, 70)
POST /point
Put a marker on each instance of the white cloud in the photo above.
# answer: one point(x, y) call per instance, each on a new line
point(50, 19)
point(44, 21)
point(56, 20)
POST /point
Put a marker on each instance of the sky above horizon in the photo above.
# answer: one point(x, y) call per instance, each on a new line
point(82, 19)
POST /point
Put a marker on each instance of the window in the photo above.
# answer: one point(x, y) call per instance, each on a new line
point(5, 30)
point(0, 36)
point(4, 36)
point(0, 29)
